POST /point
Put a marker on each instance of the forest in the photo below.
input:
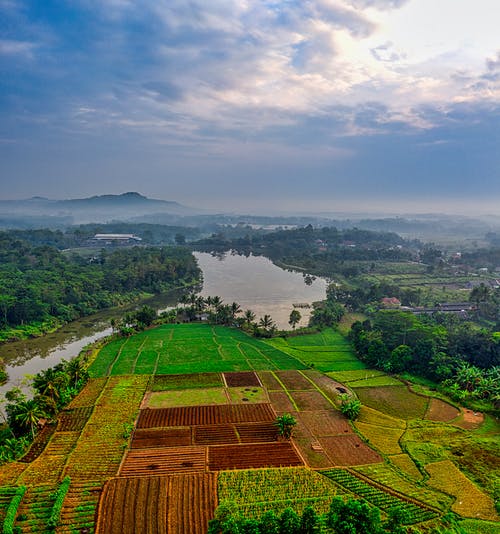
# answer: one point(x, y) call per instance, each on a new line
point(40, 284)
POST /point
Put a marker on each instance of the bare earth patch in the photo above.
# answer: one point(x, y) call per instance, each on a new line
point(348, 450)
point(469, 420)
point(294, 381)
point(310, 400)
point(439, 410)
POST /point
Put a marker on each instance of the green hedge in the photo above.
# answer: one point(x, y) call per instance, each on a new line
point(10, 516)
point(58, 503)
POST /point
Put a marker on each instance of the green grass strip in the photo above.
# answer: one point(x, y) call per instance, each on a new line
point(55, 514)
point(10, 516)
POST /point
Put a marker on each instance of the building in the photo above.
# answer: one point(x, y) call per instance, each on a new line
point(113, 240)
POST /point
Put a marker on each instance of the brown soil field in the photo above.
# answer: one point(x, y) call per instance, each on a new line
point(163, 461)
point(280, 401)
point(348, 450)
point(37, 447)
point(397, 401)
point(312, 452)
point(269, 381)
point(192, 503)
point(469, 420)
point(326, 423)
point(165, 437)
point(439, 410)
point(294, 381)
point(329, 386)
point(205, 415)
point(156, 505)
point(256, 455)
point(310, 400)
point(215, 435)
point(242, 379)
point(74, 418)
point(257, 432)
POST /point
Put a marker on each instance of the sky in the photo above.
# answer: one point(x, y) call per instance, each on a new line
point(254, 105)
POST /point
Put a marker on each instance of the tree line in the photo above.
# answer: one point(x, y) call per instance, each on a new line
point(40, 283)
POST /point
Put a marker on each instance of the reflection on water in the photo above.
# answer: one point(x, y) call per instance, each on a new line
point(254, 282)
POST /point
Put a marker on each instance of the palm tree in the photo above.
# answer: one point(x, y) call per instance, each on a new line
point(235, 309)
point(28, 413)
point(249, 317)
point(76, 370)
point(295, 317)
point(266, 322)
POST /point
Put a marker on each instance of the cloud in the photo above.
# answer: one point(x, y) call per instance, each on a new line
point(17, 48)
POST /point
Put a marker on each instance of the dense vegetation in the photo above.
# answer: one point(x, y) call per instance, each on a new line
point(444, 348)
point(41, 284)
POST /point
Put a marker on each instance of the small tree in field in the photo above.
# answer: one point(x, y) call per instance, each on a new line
point(285, 424)
point(350, 406)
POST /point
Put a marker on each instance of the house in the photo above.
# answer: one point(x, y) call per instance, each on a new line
point(390, 302)
point(110, 240)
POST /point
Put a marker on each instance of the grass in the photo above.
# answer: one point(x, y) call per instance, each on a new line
point(470, 501)
point(406, 465)
point(191, 381)
point(187, 397)
point(326, 351)
point(374, 417)
point(475, 526)
point(350, 376)
point(189, 348)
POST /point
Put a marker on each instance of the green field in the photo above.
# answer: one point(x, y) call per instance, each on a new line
point(326, 351)
point(189, 348)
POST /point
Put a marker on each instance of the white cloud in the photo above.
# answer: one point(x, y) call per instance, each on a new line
point(17, 48)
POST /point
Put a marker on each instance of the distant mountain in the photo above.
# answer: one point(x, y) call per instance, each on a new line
point(100, 208)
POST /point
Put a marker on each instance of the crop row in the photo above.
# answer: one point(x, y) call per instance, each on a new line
point(157, 505)
point(205, 415)
point(74, 418)
point(378, 497)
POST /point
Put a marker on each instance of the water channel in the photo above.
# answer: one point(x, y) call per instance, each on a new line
point(254, 282)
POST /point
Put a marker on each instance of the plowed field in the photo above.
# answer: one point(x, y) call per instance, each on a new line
point(294, 381)
point(252, 456)
point(348, 450)
point(165, 437)
point(74, 419)
point(215, 435)
point(242, 379)
point(157, 505)
point(325, 423)
point(163, 461)
point(205, 415)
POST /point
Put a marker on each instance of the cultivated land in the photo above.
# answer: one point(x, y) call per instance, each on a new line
point(181, 417)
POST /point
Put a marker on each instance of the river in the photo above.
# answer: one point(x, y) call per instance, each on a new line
point(254, 282)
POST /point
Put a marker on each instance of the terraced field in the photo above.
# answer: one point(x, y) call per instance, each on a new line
point(133, 465)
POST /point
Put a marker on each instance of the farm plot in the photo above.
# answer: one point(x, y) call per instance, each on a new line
point(163, 461)
point(257, 491)
point(407, 466)
point(348, 450)
point(327, 350)
point(35, 509)
point(310, 400)
point(383, 499)
point(158, 505)
point(186, 397)
point(6, 494)
point(184, 348)
point(385, 439)
point(165, 437)
point(74, 418)
point(439, 410)
point(215, 435)
point(294, 381)
point(89, 394)
point(205, 415)
point(39, 444)
point(190, 381)
point(256, 455)
point(282, 402)
point(396, 401)
point(79, 507)
point(470, 501)
point(243, 379)
point(118, 405)
point(391, 478)
point(325, 423)
point(250, 394)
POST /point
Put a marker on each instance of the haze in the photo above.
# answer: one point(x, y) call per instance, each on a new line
point(259, 105)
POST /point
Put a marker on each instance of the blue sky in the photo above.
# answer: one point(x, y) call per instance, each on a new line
point(254, 105)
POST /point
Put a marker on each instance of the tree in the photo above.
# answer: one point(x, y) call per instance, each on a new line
point(249, 317)
point(350, 406)
point(266, 322)
point(285, 424)
point(295, 318)
point(146, 315)
point(289, 522)
point(28, 413)
point(269, 523)
point(180, 239)
point(353, 517)
point(309, 522)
